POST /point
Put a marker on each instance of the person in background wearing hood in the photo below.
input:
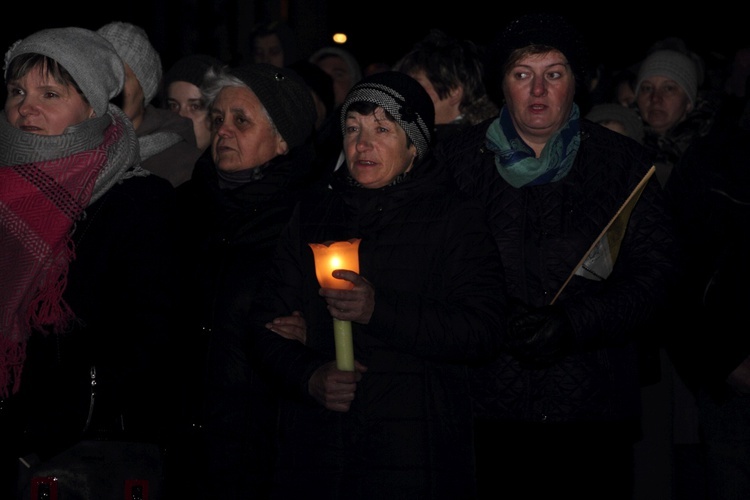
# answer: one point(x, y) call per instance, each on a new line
point(182, 92)
point(86, 256)
point(167, 141)
point(343, 68)
point(327, 126)
point(233, 209)
point(558, 412)
point(345, 71)
point(427, 300)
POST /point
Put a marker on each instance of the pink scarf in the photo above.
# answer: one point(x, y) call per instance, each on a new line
point(39, 203)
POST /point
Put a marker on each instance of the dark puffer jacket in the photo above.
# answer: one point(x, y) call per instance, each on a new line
point(121, 286)
point(543, 232)
point(438, 304)
point(710, 189)
point(229, 239)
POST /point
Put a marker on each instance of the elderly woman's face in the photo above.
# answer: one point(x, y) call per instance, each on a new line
point(242, 135)
point(38, 104)
point(539, 91)
point(662, 103)
point(376, 149)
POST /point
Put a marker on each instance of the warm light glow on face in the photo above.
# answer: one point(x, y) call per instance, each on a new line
point(376, 148)
point(333, 255)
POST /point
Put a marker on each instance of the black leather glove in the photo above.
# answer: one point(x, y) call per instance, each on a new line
point(539, 337)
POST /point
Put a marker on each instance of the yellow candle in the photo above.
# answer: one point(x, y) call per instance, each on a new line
point(330, 256)
point(342, 336)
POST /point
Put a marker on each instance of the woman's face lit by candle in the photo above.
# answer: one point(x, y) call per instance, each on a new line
point(377, 148)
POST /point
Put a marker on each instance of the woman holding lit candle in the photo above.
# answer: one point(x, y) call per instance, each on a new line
point(427, 301)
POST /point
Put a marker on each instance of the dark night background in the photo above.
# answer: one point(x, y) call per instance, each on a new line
point(617, 32)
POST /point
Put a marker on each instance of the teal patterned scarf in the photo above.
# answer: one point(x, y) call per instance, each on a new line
point(516, 161)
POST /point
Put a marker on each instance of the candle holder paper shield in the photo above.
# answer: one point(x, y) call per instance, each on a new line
point(330, 256)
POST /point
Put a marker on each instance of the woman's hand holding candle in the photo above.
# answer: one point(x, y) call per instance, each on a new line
point(356, 304)
point(336, 266)
point(334, 388)
point(345, 306)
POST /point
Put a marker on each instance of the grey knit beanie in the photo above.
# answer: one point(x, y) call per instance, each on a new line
point(133, 46)
point(285, 96)
point(89, 58)
point(673, 65)
point(404, 98)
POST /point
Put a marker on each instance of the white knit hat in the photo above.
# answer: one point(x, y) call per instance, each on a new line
point(133, 46)
point(673, 65)
point(90, 60)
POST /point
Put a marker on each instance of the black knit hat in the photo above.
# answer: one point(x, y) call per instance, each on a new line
point(285, 96)
point(539, 28)
point(191, 69)
point(404, 98)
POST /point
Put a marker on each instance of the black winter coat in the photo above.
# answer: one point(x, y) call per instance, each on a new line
point(710, 190)
point(121, 286)
point(542, 233)
point(438, 304)
point(229, 236)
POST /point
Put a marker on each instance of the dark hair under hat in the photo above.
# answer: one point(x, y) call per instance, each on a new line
point(539, 28)
point(285, 96)
point(89, 58)
point(404, 98)
point(191, 68)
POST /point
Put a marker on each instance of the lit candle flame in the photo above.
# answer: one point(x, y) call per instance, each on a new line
point(330, 256)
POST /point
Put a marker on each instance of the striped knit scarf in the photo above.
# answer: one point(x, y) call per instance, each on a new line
point(46, 182)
